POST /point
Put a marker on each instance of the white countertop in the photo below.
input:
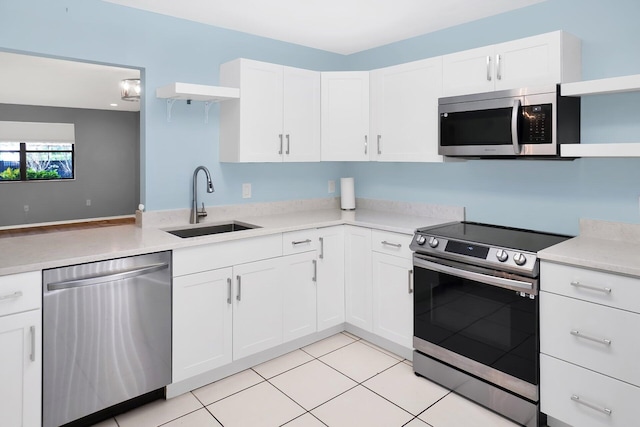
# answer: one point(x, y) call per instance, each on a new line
point(37, 252)
point(611, 247)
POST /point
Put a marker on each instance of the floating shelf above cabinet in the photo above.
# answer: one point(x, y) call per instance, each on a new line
point(192, 92)
point(602, 86)
point(630, 149)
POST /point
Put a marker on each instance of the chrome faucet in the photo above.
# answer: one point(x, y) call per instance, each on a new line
point(195, 213)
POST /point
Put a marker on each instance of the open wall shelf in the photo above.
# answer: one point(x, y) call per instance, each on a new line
point(192, 92)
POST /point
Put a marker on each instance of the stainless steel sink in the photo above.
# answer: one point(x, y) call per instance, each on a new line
point(228, 227)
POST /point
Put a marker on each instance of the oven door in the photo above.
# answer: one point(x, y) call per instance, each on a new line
point(478, 320)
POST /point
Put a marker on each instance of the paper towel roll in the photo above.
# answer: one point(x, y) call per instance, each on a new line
point(347, 194)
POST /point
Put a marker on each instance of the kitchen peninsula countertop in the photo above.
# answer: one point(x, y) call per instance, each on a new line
point(37, 252)
point(601, 245)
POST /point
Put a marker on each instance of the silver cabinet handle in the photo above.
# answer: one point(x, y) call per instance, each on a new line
point(32, 331)
point(515, 138)
point(239, 296)
point(321, 256)
point(280, 151)
point(288, 145)
point(228, 290)
point(410, 281)
point(14, 295)
point(592, 288)
point(379, 150)
point(488, 67)
point(395, 245)
point(604, 410)
point(366, 144)
point(301, 242)
point(579, 334)
point(498, 70)
point(103, 278)
point(315, 271)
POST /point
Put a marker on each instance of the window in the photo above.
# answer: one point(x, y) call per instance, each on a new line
point(33, 151)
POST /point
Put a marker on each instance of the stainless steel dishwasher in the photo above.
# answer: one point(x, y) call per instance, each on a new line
point(106, 334)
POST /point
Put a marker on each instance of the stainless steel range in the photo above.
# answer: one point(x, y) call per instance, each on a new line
point(476, 313)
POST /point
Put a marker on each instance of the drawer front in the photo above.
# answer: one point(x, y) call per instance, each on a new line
point(593, 394)
point(391, 243)
point(295, 242)
point(589, 285)
point(20, 292)
point(597, 337)
point(195, 259)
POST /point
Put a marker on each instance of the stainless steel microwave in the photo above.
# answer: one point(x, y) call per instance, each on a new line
point(514, 123)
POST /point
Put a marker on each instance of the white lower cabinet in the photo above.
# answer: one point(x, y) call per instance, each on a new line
point(202, 322)
point(589, 373)
point(330, 285)
point(393, 298)
point(299, 281)
point(257, 307)
point(20, 350)
point(357, 269)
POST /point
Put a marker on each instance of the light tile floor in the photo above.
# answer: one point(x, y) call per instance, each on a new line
point(339, 381)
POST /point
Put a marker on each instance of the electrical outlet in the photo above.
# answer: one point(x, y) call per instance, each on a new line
point(246, 191)
point(88, 202)
point(26, 208)
point(332, 186)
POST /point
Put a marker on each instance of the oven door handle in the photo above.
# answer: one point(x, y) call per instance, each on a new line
point(472, 275)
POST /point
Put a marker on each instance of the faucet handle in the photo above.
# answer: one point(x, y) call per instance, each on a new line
point(202, 212)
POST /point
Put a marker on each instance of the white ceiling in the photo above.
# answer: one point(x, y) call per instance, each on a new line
point(34, 80)
point(340, 26)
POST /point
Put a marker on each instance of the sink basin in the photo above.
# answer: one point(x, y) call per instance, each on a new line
point(229, 227)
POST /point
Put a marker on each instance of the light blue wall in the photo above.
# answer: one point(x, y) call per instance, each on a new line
point(544, 195)
point(170, 50)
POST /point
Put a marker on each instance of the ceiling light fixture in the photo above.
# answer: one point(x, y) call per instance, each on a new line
point(130, 89)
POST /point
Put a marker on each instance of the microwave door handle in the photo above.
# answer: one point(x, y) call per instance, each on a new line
point(514, 126)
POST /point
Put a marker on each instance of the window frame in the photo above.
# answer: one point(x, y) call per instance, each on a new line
point(23, 151)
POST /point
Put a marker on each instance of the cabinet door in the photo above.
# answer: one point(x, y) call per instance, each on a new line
point(299, 295)
point(330, 286)
point(358, 277)
point(251, 127)
point(301, 115)
point(469, 71)
point(345, 116)
point(393, 298)
point(202, 316)
point(21, 369)
point(257, 307)
point(529, 62)
point(404, 111)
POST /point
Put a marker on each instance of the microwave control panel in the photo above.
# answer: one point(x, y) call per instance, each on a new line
point(536, 124)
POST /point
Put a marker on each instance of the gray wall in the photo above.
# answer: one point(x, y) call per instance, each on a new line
point(107, 157)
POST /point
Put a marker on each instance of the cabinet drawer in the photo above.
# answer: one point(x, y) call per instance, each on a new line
point(195, 259)
point(391, 243)
point(595, 394)
point(590, 285)
point(597, 337)
point(20, 292)
point(295, 242)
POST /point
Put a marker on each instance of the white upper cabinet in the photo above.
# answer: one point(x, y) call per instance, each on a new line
point(345, 116)
point(277, 116)
point(546, 59)
point(404, 111)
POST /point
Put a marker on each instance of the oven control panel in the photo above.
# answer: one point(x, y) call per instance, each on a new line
point(495, 257)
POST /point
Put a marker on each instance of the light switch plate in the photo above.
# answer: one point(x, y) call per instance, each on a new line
point(332, 186)
point(246, 191)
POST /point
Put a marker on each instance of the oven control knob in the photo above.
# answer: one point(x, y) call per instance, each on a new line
point(433, 242)
point(520, 259)
point(502, 255)
point(420, 239)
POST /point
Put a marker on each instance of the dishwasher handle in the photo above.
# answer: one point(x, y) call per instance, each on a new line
point(102, 278)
